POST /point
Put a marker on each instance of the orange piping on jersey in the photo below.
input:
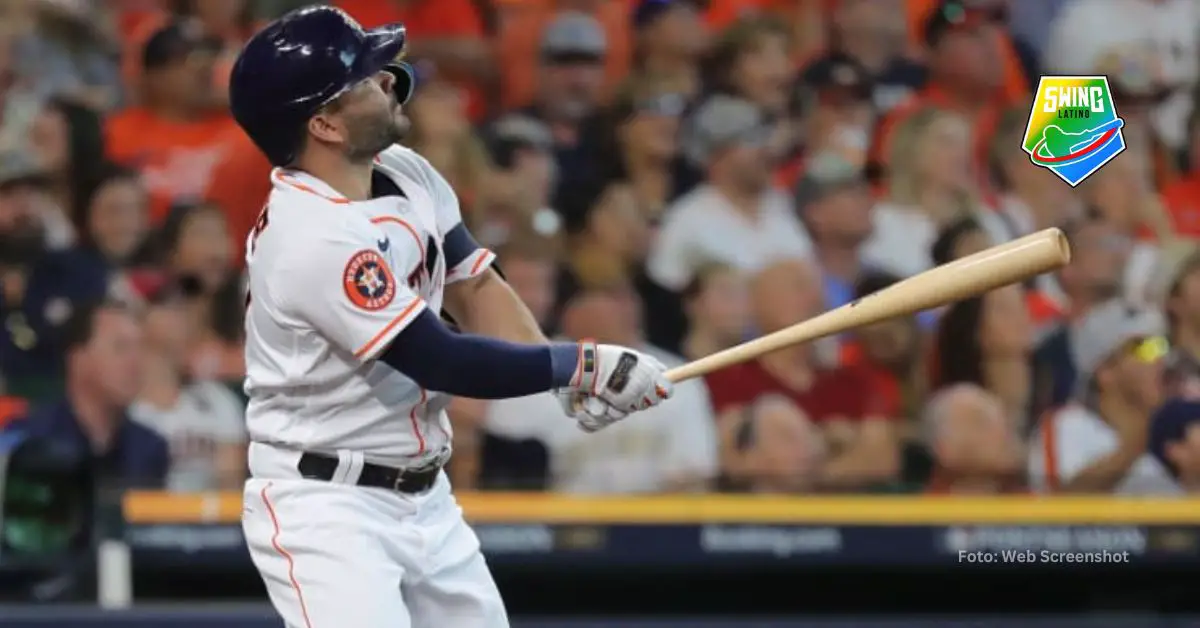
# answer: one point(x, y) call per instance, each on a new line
point(412, 418)
point(284, 177)
point(413, 232)
point(286, 555)
point(1050, 450)
point(365, 349)
point(479, 262)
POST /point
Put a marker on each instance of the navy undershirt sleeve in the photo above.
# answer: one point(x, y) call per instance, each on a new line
point(478, 367)
point(458, 245)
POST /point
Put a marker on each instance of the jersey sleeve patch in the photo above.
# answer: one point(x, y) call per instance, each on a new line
point(368, 282)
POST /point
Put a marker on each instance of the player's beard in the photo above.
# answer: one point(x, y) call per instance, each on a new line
point(371, 134)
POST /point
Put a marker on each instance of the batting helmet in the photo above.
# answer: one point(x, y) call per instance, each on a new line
point(301, 62)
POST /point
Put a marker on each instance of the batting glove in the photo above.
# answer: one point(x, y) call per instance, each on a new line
point(623, 379)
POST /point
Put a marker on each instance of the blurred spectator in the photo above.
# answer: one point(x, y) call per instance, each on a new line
point(988, 341)
point(522, 27)
point(1175, 441)
point(958, 239)
point(965, 78)
point(195, 254)
point(229, 22)
point(717, 311)
point(771, 446)
point(1097, 443)
point(202, 420)
point(174, 137)
point(640, 140)
point(843, 402)
point(669, 38)
point(607, 238)
point(975, 448)
point(570, 87)
point(751, 60)
point(868, 32)
point(834, 202)
point(105, 365)
point(1030, 198)
point(1122, 193)
point(1178, 294)
point(1181, 199)
point(929, 185)
point(447, 33)
point(68, 143)
point(1098, 254)
point(832, 113)
point(73, 53)
point(441, 133)
point(673, 449)
point(529, 266)
point(113, 218)
point(39, 288)
point(19, 104)
point(892, 354)
point(1160, 35)
point(522, 182)
point(737, 217)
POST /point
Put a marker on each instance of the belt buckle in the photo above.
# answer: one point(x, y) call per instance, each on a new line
point(400, 477)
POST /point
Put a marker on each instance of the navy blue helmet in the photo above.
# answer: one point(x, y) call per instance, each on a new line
point(301, 62)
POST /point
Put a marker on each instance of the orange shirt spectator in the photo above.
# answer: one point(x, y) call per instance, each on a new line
point(174, 139)
point(426, 21)
point(1016, 83)
point(520, 25)
point(239, 186)
point(177, 159)
point(962, 80)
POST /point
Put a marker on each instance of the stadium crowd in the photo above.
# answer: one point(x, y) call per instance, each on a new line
point(672, 174)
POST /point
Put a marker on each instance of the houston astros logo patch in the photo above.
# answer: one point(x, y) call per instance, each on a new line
point(368, 282)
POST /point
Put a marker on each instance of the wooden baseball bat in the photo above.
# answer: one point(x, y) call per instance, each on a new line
point(1007, 263)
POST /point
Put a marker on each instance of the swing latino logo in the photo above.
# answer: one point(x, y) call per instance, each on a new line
point(1073, 127)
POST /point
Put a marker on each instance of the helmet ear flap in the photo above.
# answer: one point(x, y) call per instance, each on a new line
point(406, 80)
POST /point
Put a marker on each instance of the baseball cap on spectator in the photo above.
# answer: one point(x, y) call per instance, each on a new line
point(837, 78)
point(827, 174)
point(176, 41)
point(1176, 260)
point(956, 15)
point(1170, 424)
point(645, 12)
point(514, 132)
point(573, 36)
point(18, 169)
point(1109, 327)
point(720, 122)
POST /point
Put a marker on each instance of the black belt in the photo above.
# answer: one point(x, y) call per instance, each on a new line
point(321, 467)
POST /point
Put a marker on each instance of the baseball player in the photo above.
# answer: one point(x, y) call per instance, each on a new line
point(348, 515)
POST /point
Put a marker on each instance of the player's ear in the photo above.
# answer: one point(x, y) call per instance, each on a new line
point(324, 126)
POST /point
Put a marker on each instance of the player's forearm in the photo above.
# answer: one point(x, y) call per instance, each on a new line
point(488, 306)
point(470, 365)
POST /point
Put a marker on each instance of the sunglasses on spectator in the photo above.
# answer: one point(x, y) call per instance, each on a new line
point(1148, 350)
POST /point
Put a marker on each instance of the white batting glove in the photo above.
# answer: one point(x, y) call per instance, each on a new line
point(590, 413)
point(621, 379)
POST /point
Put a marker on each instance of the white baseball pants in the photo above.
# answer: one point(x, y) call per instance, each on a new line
point(335, 555)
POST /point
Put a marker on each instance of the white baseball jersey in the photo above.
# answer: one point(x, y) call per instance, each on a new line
point(332, 282)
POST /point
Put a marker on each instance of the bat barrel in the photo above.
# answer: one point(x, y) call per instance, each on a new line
point(1008, 263)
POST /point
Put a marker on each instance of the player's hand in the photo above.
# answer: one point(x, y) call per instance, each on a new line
point(590, 413)
point(624, 379)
